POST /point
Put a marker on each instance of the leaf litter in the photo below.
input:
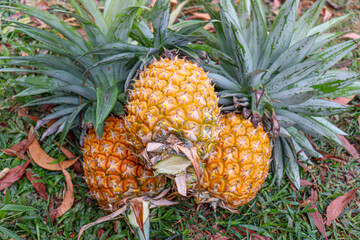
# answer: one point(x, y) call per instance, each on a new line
point(337, 206)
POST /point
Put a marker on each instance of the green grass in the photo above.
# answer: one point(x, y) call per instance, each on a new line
point(274, 213)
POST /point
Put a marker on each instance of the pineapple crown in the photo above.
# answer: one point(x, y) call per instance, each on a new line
point(280, 75)
point(87, 76)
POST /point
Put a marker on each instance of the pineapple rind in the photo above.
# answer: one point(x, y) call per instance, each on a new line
point(173, 96)
point(112, 171)
point(240, 163)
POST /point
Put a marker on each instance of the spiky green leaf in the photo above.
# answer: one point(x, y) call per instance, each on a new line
point(330, 56)
point(69, 123)
point(291, 96)
point(304, 24)
point(280, 34)
point(303, 142)
point(160, 18)
point(327, 25)
point(278, 162)
point(121, 26)
point(311, 127)
point(290, 161)
point(106, 99)
point(318, 107)
point(290, 76)
point(72, 100)
point(330, 82)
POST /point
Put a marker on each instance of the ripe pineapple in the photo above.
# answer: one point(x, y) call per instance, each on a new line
point(172, 105)
point(279, 78)
point(239, 166)
point(112, 171)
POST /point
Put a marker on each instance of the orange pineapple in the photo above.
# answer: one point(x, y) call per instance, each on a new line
point(112, 171)
point(172, 97)
point(239, 166)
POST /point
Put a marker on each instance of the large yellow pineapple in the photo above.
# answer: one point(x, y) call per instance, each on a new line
point(172, 106)
point(112, 171)
point(240, 164)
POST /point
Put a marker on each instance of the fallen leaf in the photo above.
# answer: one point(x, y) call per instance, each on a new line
point(276, 4)
point(162, 202)
point(14, 153)
point(180, 180)
point(353, 36)
point(202, 16)
point(349, 147)
point(68, 199)
point(44, 160)
point(327, 15)
point(305, 183)
point(316, 216)
point(100, 232)
point(39, 186)
point(338, 205)
point(318, 220)
point(342, 100)
point(19, 149)
point(42, 5)
point(194, 158)
point(13, 175)
point(102, 219)
point(137, 207)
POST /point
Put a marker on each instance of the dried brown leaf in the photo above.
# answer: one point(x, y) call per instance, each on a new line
point(316, 216)
point(44, 160)
point(198, 15)
point(342, 100)
point(162, 202)
point(39, 186)
point(318, 220)
point(349, 147)
point(180, 180)
point(19, 149)
point(276, 4)
point(154, 146)
point(14, 153)
point(305, 183)
point(338, 205)
point(13, 175)
point(327, 15)
point(194, 158)
point(102, 219)
point(100, 232)
point(68, 199)
point(353, 36)
point(137, 207)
